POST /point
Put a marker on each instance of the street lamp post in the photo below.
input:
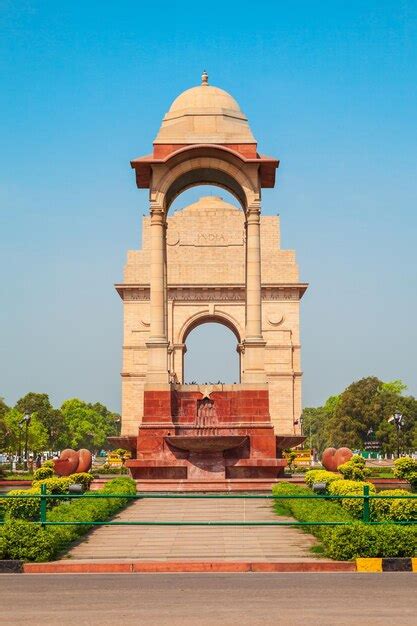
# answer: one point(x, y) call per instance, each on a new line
point(398, 420)
point(26, 421)
point(19, 451)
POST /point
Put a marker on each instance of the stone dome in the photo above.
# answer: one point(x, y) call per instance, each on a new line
point(203, 97)
point(205, 114)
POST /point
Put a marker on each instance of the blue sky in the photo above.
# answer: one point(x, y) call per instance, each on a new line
point(330, 88)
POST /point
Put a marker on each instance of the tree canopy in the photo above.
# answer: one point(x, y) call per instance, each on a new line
point(88, 425)
point(362, 410)
point(75, 424)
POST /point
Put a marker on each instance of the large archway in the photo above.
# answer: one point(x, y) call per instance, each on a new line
point(209, 263)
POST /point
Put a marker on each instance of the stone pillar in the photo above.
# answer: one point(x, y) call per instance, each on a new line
point(254, 345)
point(157, 344)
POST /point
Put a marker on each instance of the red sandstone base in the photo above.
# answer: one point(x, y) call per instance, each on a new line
point(127, 567)
point(207, 436)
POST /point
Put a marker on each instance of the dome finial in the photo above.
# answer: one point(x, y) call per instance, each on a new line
point(204, 78)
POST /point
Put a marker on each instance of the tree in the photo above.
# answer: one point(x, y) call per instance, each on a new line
point(360, 408)
point(88, 425)
point(314, 427)
point(3, 407)
point(394, 386)
point(316, 421)
point(15, 433)
point(3, 410)
point(387, 433)
point(52, 419)
point(364, 406)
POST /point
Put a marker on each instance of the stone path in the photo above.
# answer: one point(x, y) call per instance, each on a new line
point(196, 543)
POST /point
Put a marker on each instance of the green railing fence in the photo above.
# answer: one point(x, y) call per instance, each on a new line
point(366, 516)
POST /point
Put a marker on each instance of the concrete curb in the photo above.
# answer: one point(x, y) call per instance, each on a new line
point(387, 565)
point(89, 567)
point(362, 565)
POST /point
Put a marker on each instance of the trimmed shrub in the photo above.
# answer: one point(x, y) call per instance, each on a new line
point(320, 476)
point(404, 510)
point(82, 478)
point(350, 488)
point(42, 473)
point(381, 508)
point(57, 484)
point(22, 508)
point(354, 469)
point(49, 463)
point(360, 540)
point(29, 508)
point(406, 468)
point(27, 541)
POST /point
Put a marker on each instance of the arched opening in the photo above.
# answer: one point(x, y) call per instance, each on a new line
point(213, 166)
point(212, 354)
point(191, 195)
point(205, 176)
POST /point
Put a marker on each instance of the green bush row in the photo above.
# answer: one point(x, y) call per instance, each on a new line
point(346, 542)
point(29, 508)
point(394, 509)
point(28, 541)
point(381, 509)
point(345, 487)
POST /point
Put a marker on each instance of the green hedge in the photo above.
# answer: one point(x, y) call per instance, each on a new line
point(350, 488)
point(24, 508)
point(30, 542)
point(43, 472)
point(29, 509)
point(395, 509)
point(346, 542)
point(360, 540)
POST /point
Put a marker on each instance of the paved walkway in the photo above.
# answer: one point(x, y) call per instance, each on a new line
point(196, 543)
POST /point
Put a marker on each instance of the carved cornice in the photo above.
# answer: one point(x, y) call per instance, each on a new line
point(213, 293)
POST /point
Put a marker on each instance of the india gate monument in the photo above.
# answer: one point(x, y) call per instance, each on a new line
point(209, 262)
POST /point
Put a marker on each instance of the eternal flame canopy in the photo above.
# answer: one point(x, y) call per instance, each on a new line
point(205, 116)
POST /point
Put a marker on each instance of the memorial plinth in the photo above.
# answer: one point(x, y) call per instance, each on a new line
point(191, 432)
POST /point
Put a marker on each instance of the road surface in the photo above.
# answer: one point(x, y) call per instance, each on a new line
point(208, 599)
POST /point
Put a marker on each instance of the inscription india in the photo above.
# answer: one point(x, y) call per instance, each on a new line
point(212, 238)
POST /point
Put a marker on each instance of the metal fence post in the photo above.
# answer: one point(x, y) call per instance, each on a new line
point(43, 505)
point(366, 504)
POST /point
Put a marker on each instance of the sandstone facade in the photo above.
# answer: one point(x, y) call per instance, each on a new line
point(206, 282)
